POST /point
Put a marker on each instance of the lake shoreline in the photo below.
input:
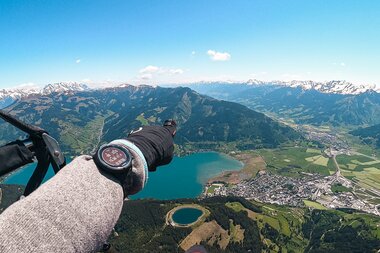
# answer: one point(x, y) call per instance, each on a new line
point(171, 222)
point(184, 177)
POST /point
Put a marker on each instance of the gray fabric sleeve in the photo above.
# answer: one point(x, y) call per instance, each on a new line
point(74, 211)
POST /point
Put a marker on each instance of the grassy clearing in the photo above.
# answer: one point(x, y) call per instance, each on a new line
point(212, 188)
point(312, 150)
point(236, 206)
point(284, 225)
point(142, 119)
point(314, 205)
point(287, 221)
point(319, 160)
point(312, 158)
point(273, 222)
point(323, 161)
point(236, 232)
point(209, 232)
point(340, 188)
point(352, 166)
point(365, 163)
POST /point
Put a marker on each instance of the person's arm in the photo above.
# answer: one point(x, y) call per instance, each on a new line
point(75, 211)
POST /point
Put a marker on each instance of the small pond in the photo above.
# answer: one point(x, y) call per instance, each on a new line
point(185, 216)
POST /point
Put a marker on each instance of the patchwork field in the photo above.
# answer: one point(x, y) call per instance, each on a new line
point(361, 169)
point(318, 160)
point(293, 161)
point(81, 139)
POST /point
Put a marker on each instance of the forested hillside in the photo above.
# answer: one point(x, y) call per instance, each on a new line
point(81, 120)
point(369, 135)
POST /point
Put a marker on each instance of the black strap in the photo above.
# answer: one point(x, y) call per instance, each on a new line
point(13, 156)
point(39, 173)
point(156, 143)
point(29, 129)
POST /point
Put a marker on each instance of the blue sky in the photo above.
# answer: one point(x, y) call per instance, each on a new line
point(180, 41)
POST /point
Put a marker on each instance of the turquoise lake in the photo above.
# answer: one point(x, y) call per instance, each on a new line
point(185, 216)
point(184, 177)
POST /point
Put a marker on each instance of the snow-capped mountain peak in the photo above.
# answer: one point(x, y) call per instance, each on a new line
point(254, 82)
point(335, 86)
point(124, 85)
point(63, 87)
point(18, 92)
point(8, 96)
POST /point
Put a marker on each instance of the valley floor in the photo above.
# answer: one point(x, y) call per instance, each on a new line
point(344, 175)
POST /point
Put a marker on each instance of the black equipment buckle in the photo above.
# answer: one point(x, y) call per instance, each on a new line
point(39, 145)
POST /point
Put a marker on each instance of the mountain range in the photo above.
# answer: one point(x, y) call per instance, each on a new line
point(8, 96)
point(81, 118)
point(336, 103)
point(334, 86)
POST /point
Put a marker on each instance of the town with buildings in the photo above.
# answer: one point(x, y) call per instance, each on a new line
point(276, 189)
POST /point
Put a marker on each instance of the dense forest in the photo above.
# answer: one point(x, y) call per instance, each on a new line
point(142, 228)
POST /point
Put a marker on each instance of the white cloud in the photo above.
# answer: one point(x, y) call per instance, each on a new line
point(86, 80)
point(27, 85)
point(149, 69)
point(151, 72)
point(78, 61)
point(342, 64)
point(193, 52)
point(146, 76)
point(160, 70)
point(218, 56)
point(291, 77)
point(176, 71)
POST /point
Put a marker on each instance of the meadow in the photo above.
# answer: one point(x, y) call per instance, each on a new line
point(295, 161)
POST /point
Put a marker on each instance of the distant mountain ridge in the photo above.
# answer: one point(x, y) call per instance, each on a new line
point(8, 96)
point(333, 86)
point(302, 103)
point(82, 119)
